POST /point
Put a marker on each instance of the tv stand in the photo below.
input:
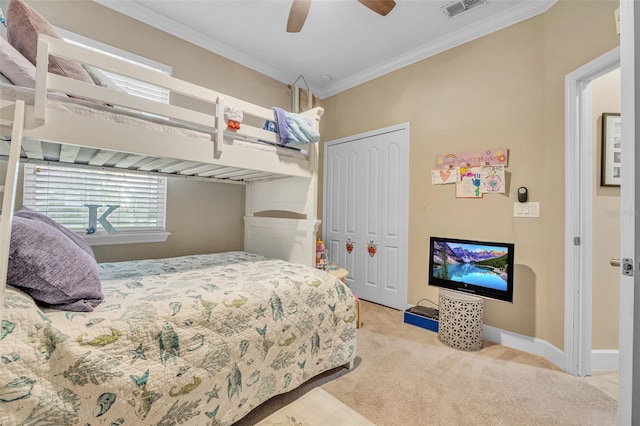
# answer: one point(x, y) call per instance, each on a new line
point(461, 317)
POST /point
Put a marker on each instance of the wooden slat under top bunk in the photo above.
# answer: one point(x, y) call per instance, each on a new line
point(34, 151)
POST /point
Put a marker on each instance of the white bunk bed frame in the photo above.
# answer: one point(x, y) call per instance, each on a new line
point(40, 133)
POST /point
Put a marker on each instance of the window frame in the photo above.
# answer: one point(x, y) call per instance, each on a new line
point(101, 237)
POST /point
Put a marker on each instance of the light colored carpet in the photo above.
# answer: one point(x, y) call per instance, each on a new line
point(315, 408)
point(404, 375)
point(608, 381)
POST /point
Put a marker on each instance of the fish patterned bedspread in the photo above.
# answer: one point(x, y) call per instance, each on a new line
point(192, 340)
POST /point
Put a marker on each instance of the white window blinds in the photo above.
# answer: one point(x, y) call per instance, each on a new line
point(139, 88)
point(130, 85)
point(62, 193)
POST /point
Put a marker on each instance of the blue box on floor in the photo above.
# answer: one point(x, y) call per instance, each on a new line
point(420, 321)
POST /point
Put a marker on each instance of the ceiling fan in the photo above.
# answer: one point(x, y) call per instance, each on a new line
point(300, 9)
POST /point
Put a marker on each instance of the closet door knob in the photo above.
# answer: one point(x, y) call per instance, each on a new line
point(349, 246)
point(372, 248)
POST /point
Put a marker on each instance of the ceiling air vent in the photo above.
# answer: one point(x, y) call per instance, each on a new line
point(457, 7)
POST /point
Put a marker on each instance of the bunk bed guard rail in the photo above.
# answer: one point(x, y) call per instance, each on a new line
point(211, 122)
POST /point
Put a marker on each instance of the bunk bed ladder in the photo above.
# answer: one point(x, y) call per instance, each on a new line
point(9, 195)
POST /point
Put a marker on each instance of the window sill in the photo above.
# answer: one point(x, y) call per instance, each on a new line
point(126, 238)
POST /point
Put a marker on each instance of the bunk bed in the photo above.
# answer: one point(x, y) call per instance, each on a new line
point(197, 339)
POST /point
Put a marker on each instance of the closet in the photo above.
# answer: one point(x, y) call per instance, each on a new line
point(365, 215)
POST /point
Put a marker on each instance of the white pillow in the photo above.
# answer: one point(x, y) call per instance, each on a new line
point(16, 67)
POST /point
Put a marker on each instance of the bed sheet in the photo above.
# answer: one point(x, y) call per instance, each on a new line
point(193, 340)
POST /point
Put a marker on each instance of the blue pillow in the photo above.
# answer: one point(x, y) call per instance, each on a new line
point(48, 264)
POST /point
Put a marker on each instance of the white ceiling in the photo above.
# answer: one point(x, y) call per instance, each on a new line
point(341, 38)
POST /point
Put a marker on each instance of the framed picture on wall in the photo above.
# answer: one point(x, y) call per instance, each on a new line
point(611, 152)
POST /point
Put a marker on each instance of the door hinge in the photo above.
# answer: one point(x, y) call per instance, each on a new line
point(627, 267)
point(576, 241)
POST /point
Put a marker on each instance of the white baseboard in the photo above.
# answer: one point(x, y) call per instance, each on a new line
point(532, 345)
point(604, 359)
point(601, 359)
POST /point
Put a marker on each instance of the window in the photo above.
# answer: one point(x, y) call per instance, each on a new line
point(67, 194)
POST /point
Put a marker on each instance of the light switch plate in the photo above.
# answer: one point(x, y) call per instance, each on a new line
point(529, 209)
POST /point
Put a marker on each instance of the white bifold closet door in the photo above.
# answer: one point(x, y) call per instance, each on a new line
point(366, 191)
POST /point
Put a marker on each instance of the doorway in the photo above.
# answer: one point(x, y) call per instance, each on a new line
point(576, 88)
point(579, 187)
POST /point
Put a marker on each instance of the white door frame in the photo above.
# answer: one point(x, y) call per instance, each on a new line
point(578, 210)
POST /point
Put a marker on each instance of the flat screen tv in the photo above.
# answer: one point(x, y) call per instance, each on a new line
point(480, 268)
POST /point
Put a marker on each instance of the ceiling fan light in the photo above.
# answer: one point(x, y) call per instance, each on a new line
point(460, 6)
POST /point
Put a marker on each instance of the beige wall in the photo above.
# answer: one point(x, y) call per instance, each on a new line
point(202, 217)
point(606, 223)
point(505, 89)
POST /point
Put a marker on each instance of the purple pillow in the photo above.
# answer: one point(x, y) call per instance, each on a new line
point(51, 267)
point(24, 24)
point(28, 213)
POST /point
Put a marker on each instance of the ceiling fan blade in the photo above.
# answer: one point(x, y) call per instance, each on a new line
point(297, 15)
point(381, 7)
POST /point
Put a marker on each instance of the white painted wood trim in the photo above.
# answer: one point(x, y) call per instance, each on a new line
point(525, 10)
point(457, 38)
point(292, 240)
point(126, 238)
point(578, 210)
point(143, 14)
point(389, 129)
point(294, 194)
point(604, 359)
point(601, 359)
point(9, 196)
point(532, 345)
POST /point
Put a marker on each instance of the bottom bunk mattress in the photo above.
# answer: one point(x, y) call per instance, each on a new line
point(193, 340)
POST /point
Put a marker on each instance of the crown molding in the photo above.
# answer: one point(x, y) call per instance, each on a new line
point(523, 11)
point(140, 13)
point(485, 27)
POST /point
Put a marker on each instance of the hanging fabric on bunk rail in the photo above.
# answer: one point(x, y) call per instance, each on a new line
point(294, 128)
